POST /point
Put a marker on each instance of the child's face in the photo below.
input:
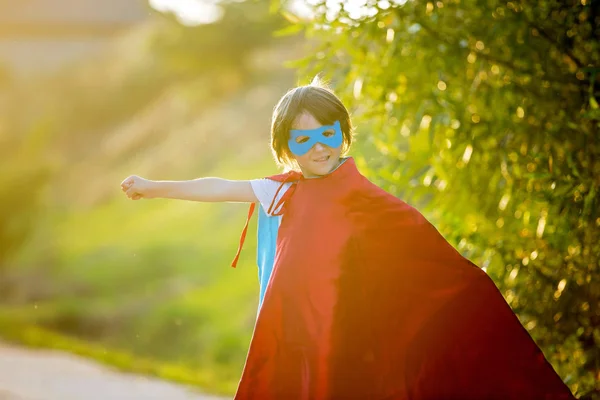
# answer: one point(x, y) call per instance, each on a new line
point(320, 159)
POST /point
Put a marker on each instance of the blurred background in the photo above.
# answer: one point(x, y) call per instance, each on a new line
point(482, 114)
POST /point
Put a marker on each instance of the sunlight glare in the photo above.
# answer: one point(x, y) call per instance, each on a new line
point(356, 9)
point(190, 12)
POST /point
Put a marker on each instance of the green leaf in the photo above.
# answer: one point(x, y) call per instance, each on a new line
point(418, 117)
point(300, 62)
point(594, 115)
point(432, 125)
point(289, 30)
point(290, 17)
point(274, 6)
point(572, 164)
point(591, 69)
point(589, 201)
point(421, 172)
point(563, 190)
point(537, 175)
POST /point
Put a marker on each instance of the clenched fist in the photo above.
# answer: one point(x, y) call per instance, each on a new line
point(136, 187)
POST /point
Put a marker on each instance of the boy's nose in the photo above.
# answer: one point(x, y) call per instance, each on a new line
point(319, 146)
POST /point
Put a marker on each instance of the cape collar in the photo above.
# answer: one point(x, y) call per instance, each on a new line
point(346, 167)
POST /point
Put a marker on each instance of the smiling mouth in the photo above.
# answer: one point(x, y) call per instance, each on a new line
point(322, 159)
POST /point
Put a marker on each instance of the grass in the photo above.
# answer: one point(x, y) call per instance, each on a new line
point(143, 286)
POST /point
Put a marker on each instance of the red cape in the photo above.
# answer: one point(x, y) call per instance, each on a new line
point(368, 301)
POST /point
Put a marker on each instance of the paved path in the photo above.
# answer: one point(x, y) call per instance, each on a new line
point(27, 374)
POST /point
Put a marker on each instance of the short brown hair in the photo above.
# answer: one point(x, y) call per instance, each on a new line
point(315, 99)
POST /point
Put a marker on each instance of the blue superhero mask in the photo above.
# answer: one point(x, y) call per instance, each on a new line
point(329, 135)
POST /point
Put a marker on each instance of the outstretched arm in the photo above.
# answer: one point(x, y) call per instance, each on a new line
point(201, 189)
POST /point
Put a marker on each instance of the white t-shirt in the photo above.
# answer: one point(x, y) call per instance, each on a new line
point(265, 189)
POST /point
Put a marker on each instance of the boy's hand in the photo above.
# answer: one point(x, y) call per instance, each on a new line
point(136, 187)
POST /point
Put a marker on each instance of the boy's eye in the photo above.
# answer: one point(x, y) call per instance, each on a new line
point(328, 133)
point(301, 139)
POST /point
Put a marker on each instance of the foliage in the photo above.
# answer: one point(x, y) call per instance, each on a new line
point(231, 42)
point(23, 177)
point(484, 114)
point(141, 285)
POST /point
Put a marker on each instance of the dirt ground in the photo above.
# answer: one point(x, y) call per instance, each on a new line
point(28, 374)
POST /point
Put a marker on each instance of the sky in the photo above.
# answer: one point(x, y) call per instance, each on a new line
point(190, 12)
point(194, 12)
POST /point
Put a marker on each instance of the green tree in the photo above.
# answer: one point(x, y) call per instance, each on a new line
point(230, 42)
point(483, 114)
